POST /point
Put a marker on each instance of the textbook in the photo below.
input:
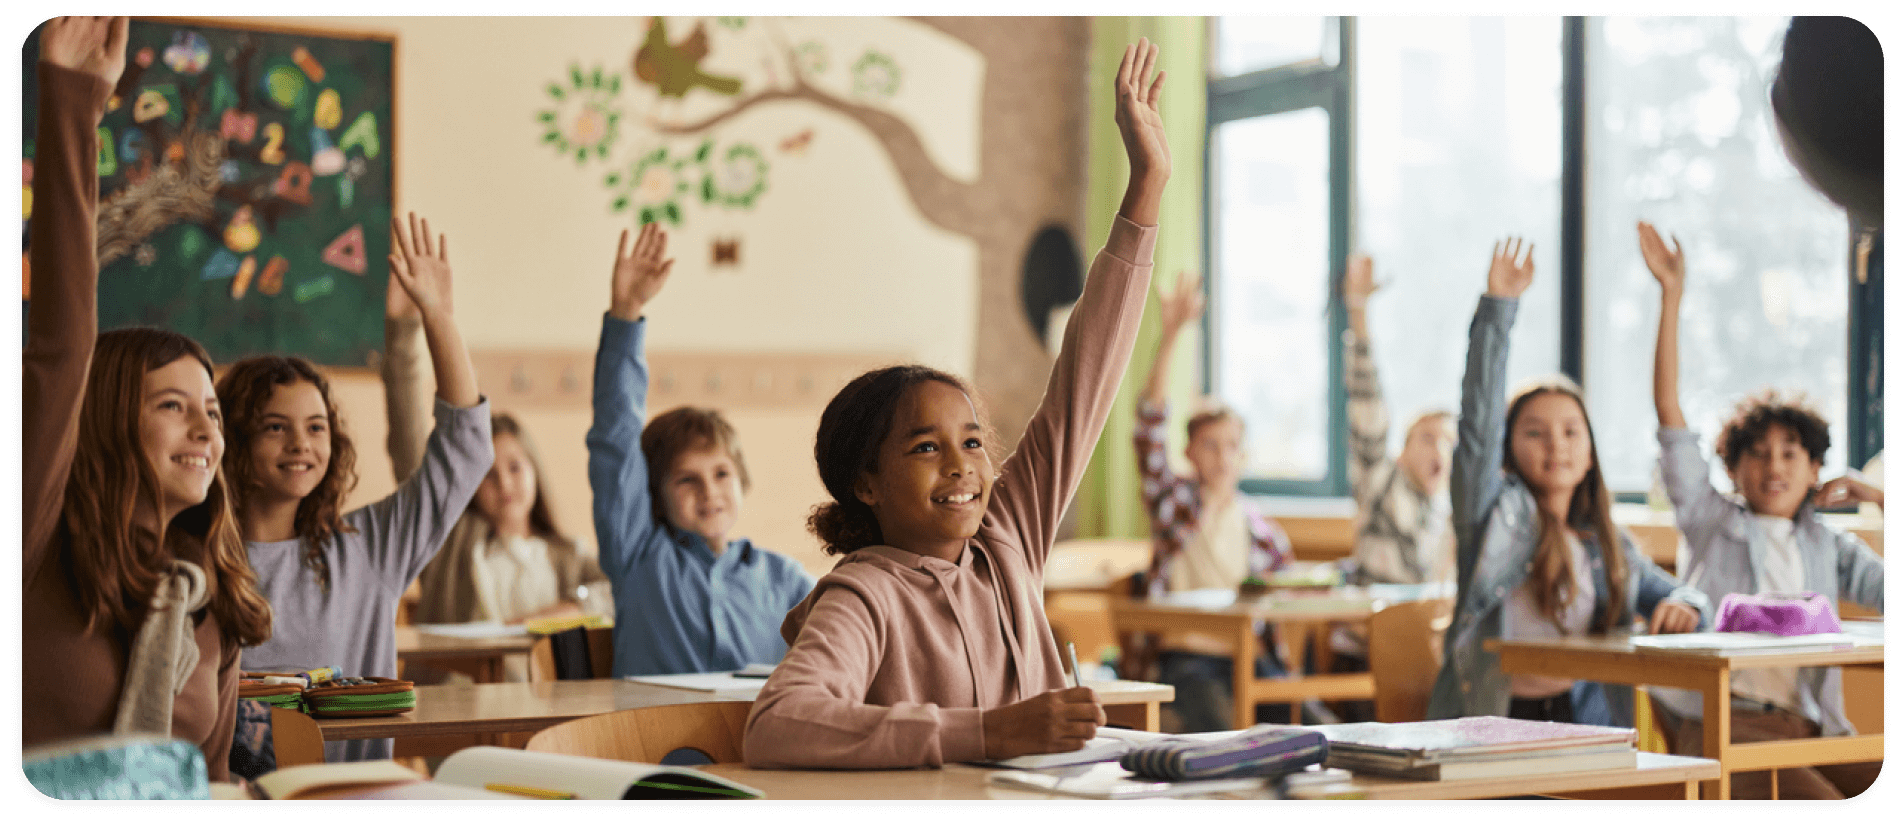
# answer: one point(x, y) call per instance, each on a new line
point(731, 686)
point(1477, 747)
point(498, 774)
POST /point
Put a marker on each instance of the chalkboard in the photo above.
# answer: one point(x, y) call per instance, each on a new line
point(246, 178)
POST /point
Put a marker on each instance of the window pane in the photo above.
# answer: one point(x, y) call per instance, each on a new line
point(1457, 145)
point(1270, 288)
point(1680, 134)
point(1252, 43)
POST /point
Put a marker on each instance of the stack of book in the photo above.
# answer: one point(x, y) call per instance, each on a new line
point(1477, 747)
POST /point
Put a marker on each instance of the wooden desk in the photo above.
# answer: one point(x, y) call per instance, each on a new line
point(1296, 617)
point(481, 658)
point(449, 717)
point(1656, 776)
point(1617, 661)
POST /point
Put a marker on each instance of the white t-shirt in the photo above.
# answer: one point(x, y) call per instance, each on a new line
point(1782, 571)
point(1524, 622)
point(514, 578)
point(1216, 557)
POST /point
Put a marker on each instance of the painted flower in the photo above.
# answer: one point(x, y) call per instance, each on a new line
point(582, 119)
point(875, 75)
point(738, 178)
point(652, 187)
point(810, 57)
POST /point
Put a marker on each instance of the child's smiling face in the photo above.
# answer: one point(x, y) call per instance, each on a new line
point(1775, 474)
point(290, 450)
point(933, 480)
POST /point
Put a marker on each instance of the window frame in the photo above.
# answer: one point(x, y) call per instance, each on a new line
point(1304, 85)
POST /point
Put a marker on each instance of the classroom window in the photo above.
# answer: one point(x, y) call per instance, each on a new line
point(1681, 134)
point(1451, 132)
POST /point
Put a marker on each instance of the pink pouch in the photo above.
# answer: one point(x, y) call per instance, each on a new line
point(1805, 613)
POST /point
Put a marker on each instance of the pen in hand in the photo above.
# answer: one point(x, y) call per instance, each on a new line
point(1076, 673)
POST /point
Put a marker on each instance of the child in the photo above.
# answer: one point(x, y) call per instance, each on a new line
point(122, 501)
point(1205, 533)
point(505, 560)
point(1538, 556)
point(686, 597)
point(334, 580)
point(1771, 542)
point(1402, 534)
point(927, 643)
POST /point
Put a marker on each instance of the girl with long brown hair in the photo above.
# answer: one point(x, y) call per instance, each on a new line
point(1537, 553)
point(136, 594)
point(334, 578)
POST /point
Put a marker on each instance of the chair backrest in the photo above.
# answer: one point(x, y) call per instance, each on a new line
point(295, 738)
point(651, 734)
point(1404, 648)
point(600, 644)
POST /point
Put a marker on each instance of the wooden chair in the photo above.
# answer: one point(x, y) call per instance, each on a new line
point(1404, 647)
point(541, 656)
point(712, 731)
point(295, 738)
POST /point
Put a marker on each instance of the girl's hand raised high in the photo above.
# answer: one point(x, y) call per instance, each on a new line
point(1665, 262)
point(1140, 122)
point(638, 276)
point(1182, 304)
point(94, 45)
point(1511, 272)
point(422, 268)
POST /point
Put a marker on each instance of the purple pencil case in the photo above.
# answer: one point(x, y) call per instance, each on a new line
point(1806, 613)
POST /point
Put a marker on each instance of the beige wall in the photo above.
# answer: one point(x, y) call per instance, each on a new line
point(836, 258)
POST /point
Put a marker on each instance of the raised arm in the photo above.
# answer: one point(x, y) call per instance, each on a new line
point(1366, 408)
point(1667, 265)
point(422, 267)
point(617, 471)
point(80, 61)
point(1036, 482)
point(1178, 307)
point(406, 393)
point(1476, 475)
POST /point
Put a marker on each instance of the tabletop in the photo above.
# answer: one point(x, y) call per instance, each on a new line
point(957, 782)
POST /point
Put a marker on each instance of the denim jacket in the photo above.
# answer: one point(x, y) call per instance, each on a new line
point(1496, 529)
point(1726, 547)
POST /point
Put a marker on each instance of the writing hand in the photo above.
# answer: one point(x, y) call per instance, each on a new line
point(1672, 616)
point(1511, 271)
point(638, 275)
point(1056, 721)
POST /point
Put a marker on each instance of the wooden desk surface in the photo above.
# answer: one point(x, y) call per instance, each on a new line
point(1583, 653)
point(415, 645)
point(1337, 604)
point(461, 709)
point(958, 782)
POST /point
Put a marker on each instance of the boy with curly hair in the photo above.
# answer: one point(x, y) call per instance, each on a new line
point(1772, 541)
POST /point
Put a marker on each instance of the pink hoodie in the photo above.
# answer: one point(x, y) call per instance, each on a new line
point(894, 655)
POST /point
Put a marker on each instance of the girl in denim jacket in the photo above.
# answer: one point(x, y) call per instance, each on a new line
point(1530, 538)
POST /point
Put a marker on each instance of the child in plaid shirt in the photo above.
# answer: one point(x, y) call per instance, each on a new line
point(1206, 534)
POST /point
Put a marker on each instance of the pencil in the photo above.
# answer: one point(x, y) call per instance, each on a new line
point(1076, 673)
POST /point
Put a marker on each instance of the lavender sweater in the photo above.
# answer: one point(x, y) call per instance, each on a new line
point(353, 626)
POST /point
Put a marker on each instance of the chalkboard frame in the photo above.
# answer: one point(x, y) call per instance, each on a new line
point(279, 323)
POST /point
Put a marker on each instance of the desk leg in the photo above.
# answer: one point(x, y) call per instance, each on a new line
point(1294, 643)
point(1244, 686)
point(1717, 731)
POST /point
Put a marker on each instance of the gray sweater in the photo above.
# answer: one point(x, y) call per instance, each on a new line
point(353, 626)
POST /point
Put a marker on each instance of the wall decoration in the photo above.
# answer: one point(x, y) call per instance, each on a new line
point(236, 161)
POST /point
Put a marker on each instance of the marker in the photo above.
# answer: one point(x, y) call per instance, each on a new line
point(1076, 673)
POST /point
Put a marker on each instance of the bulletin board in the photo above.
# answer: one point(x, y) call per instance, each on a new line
point(246, 177)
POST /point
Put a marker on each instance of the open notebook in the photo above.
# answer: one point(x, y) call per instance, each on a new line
point(501, 773)
point(1109, 745)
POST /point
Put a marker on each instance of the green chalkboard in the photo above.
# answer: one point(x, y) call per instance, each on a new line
point(246, 177)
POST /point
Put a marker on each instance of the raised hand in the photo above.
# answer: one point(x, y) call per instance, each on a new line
point(1182, 304)
point(1666, 263)
point(1056, 721)
point(422, 267)
point(396, 302)
point(1137, 116)
point(1511, 271)
point(639, 275)
point(1358, 284)
point(94, 45)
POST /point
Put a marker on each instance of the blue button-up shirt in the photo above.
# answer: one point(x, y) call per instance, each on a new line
point(677, 606)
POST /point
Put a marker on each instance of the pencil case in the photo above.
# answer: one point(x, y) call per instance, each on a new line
point(1778, 613)
point(1255, 752)
point(277, 689)
point(382, 696)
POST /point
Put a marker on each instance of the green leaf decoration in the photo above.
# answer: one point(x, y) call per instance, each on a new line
point(673, 213)
point(706, 189)
point(620, 204)
point(555, 92)
point(647, 216)
point(614, 179)
point(545, 116)
point(574, 73)
point(550, 137)
point(700, 155)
